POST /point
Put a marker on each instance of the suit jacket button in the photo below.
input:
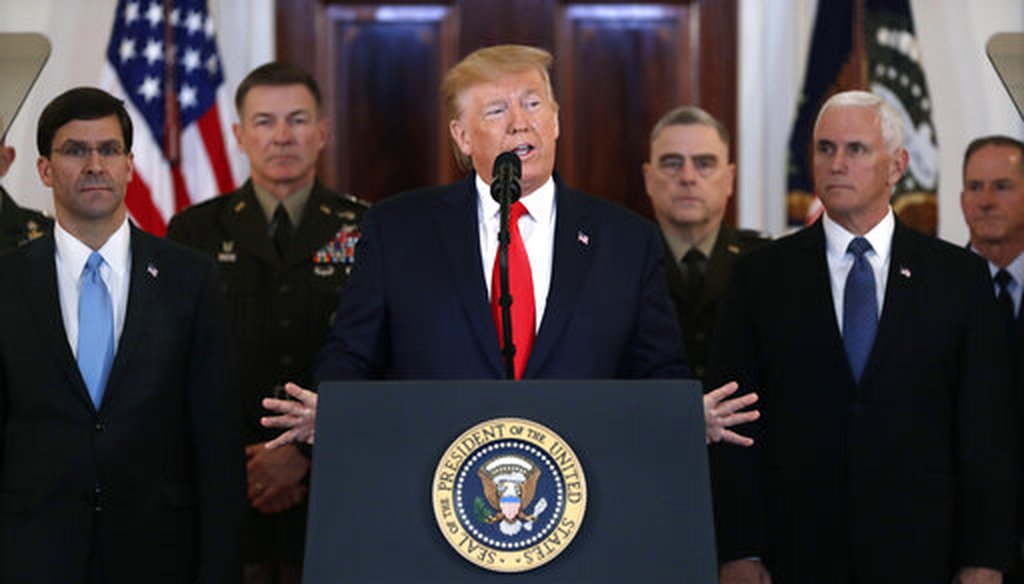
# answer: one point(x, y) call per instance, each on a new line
point(100, 427)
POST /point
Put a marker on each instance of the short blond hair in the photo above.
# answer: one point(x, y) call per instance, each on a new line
point(487, 65)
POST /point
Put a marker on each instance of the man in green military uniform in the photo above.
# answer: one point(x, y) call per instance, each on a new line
point(285, 245)
point(17, 225)
point(689, 180)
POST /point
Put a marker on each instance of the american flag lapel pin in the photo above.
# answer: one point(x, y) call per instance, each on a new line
point(905, 272)
point(582, 238)
point(153, 272)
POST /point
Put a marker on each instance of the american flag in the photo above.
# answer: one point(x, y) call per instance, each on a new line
point(163, 61)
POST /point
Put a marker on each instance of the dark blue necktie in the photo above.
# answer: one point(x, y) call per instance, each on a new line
point(95, 329)
point(860, 308)
point(1003, 280)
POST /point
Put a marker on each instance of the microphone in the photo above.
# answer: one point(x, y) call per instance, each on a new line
point(506, 178)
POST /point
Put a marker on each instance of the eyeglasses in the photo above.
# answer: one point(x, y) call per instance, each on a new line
point(79, 151)
point(672, 165)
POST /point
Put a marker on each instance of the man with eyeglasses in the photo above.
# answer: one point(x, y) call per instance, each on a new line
point(689, 180)
point(17, 225)
point(120, 458)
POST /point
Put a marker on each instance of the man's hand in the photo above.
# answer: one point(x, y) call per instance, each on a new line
point(743, 572)
point(298, 416)
point(275, 477)
point(721, 413)
point(978, 576)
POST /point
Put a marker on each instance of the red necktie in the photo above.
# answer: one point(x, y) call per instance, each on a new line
point(520, 286)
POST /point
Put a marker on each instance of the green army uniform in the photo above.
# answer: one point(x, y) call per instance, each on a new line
point(280, 309)
point(18, 225)
point(698, 311)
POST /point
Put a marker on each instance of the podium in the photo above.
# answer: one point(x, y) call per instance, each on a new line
point(640, 445)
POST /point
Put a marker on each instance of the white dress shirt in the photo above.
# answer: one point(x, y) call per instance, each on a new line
point(71, 255)
point(537, 228)
point(837, 239)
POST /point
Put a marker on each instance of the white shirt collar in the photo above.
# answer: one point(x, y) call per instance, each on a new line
point(837, 238)
point(73, 253)
point(539, 204)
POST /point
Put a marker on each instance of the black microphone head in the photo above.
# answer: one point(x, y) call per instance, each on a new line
point(506, 176)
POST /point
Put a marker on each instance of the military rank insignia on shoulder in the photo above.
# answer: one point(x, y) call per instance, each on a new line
point(509, 495)
point(341, 249)
point(32, 230)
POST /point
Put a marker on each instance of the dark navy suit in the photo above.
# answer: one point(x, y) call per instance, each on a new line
point(904, 476)
point(416, 305)
point(149, 487)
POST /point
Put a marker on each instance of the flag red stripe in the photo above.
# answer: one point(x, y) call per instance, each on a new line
point(213, 138)
point(181, 198)
point(140, 205)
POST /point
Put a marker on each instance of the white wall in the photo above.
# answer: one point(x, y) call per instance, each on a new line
point(969, 100)
point(774, 34)
point(78, 31)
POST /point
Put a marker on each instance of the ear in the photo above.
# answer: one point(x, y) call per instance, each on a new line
point(236, 129)
point(7, 154)
point(460, 135)
point(899, 166)
point(45, 170)
point(731, 172)
point(130, 161)
point(646, 169)
point(323, 128)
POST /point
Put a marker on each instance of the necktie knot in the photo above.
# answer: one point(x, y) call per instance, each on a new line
point(517, 210)
point(1003, 280)
point(695, 260)
point(858, 247)
point(92, 265)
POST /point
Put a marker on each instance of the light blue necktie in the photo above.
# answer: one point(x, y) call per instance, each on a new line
point(95, 329)
point(860, 308)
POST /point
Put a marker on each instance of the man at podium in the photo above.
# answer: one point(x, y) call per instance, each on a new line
point(589, 294)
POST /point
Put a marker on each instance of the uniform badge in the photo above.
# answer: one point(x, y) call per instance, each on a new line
point(341, 249)
point(509, 495)
point(227, 252)
point(32, 230)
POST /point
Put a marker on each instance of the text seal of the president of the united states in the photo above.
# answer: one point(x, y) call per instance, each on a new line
point(509, 494)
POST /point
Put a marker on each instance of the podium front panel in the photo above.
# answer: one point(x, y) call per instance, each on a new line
point(640, 443)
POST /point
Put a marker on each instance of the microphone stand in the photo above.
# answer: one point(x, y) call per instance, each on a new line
point(508, 348)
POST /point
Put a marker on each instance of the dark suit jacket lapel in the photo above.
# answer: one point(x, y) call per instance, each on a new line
point(821, 312)
point(458, 231)
point(244, 221)
point(143, 300)
point(44, 299)
point(899, 292)
point(570, 263)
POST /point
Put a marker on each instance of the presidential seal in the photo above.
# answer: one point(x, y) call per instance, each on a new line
point(509, 495)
